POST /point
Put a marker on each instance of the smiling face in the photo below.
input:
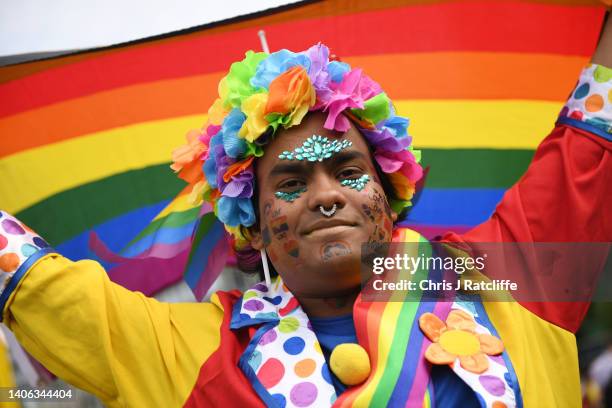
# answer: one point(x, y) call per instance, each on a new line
point(318, 254)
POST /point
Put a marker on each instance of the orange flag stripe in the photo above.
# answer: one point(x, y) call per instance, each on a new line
point(403, 76)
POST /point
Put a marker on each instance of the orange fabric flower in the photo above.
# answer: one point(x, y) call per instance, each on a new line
point(186, 158)
point(291, 93)
point(457, 338)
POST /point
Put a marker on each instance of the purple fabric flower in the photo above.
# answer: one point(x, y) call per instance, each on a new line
point(319, 58)
point(389, 135)
point(240, 186)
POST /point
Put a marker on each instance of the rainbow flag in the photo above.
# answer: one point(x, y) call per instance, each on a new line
point(86, 138)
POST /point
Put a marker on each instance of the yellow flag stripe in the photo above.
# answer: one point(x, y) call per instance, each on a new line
point(33, 175)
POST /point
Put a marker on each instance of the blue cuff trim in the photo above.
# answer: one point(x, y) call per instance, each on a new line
point(585, 126)
point(16, 278)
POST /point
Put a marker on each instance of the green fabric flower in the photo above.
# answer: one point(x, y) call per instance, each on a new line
point(375, 109)
point(236, 85)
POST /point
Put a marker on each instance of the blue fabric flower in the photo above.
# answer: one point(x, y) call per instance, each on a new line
point(232, 144)
point(337, 70)
point(276, 64)
point(210, 165)
point(391, 135)
point(235, 211)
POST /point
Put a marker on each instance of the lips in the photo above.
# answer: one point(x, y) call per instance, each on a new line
point(324, 224)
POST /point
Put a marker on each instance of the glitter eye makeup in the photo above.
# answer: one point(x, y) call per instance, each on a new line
point(356, 184)
point(315, 148)
point(290, 197)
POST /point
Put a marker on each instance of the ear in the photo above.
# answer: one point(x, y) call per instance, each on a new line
point(257, 240)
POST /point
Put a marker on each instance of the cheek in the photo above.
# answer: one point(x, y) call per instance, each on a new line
point(277, 235)
point(377, 212)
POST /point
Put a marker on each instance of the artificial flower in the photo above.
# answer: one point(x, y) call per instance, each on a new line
point(236, 211)
point(402, 187)
point(351, 93)
point(196, 195)
point(217, 112)
point(211, 130)
point(237, 83)
point(402, 161)
point(391, 135)
point(291, 94)
point(376, 109)
point(263, 92)
point(232, 144)
point(186, 158)
point(277, 63)
point(318, 55)
point(458, 339)
point(210, 164)
point(256, 124)
point(240, 185)
point(337, 70)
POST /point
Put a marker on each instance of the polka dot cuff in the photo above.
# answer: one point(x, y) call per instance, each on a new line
point(589, 107)
point(17, 244)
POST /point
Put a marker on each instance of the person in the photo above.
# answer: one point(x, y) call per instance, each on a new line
point(304, 159)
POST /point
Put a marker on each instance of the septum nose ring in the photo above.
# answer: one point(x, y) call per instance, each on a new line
point(328, 213)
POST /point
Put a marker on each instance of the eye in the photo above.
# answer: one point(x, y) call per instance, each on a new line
point(291, 185)
point(350, 173)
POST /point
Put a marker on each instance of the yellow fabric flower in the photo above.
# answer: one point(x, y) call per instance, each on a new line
point(457, 338)
point(255, 124)
point(196, 196)
point(217, 112)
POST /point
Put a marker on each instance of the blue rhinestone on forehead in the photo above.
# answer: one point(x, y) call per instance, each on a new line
point(358, 183)
point(315, 148)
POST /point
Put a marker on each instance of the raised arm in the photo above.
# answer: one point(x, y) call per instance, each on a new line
point(127, 349)
point(566, 192)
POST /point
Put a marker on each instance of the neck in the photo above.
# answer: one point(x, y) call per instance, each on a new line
point(328, 306)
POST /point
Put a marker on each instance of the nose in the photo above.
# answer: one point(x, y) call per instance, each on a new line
point(325, 191)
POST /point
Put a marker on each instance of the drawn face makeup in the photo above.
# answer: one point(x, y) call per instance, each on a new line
point(318, 254)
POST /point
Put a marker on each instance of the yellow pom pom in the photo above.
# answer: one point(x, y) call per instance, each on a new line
point(351, 363)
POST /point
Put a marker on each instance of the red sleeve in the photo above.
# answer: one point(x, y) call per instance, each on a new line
point(565, 196)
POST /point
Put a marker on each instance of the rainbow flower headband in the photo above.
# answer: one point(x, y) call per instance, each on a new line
point(266, 91)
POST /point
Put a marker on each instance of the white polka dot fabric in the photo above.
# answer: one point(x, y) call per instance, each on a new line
point(17, 244)
point(591, 101)
point(287, 359)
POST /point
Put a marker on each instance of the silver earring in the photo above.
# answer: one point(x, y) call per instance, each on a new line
point(264, 261)
point(328, 213)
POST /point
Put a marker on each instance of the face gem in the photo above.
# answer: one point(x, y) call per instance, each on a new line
point(315, 148)
point(290, 197)
point(356, 184)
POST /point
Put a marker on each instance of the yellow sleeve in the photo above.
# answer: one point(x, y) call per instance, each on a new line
point(126, 348)
point(6, 373)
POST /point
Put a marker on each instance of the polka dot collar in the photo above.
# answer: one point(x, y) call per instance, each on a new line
point(283, 360)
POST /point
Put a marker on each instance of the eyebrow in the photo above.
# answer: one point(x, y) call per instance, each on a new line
point(301, 167)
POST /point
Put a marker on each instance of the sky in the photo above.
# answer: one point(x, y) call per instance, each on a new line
point(28, 26)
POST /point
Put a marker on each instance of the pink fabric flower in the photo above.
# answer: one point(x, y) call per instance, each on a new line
point(352, 92)
point(404, 161)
